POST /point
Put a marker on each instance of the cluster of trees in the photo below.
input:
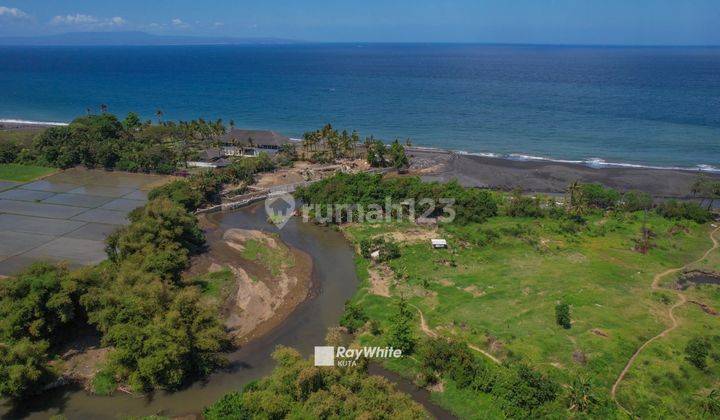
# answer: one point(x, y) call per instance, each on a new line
point(160, 331)
point(297, 389)
point(707, 189)
point(380, 155)
point(38, 308)
point(103, 141)
point(583, 198)
point(162, 334)
point(328, 144)
point(205, 187)
point(387, 249)
point(521, 391)
point(363, 189)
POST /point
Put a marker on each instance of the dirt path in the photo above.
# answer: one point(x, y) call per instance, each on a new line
point(430, 333)
point(674, 322)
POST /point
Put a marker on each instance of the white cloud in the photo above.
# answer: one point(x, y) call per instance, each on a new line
point(79, 19)
point(117, 21)
point(76, 19)
point(13, 13)
point(218, 24)
point(179, 23)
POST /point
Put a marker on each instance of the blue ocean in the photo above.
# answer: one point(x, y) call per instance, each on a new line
point(597, 105)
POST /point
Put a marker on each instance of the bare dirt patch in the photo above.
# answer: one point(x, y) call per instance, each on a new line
point(474, 290)
point(306, 171)
point(81, 367)
point(261, 297)
point(380, 278)
point(414, 235)
point(705, 307)
point(599, 332)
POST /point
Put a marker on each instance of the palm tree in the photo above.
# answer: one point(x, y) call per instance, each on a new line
point(354, 141)
point(217, 130)
point(574, 193)
point(185, 134)
point(159, 114)
point(103, 108)
point(345, 143)
point(581, 396)
point(710, 403)
point(251, 143)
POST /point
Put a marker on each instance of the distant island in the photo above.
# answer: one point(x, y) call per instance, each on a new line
point(133, 38)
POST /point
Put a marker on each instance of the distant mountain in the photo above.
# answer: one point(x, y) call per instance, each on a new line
point(134, 38)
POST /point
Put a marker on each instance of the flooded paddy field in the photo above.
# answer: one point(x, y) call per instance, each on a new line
point(66, 216)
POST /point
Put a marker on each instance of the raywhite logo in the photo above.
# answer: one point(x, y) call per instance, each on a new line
point(327, 355)
point(279, 207)
point(324, 356)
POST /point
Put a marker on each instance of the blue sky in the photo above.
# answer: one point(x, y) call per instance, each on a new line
point(636, 22)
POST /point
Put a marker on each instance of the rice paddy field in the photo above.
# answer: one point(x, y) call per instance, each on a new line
point(23, 173)
point(497, 286)
point(65, 216)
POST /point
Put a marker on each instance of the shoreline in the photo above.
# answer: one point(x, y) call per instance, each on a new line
point(548, 176)
point(528, 173)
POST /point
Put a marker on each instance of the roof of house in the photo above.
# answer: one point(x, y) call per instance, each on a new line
point(208, 155)
point(259, 138)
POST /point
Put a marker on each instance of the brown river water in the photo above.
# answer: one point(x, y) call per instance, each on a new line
point(334, 281)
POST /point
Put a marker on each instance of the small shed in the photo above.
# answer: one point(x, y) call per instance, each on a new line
point(438, 243)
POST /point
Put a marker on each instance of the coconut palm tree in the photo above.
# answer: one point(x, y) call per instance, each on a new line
point(354, 142)
point(103, 108)
point(574, 196)
point(580, 395)
point(159, 114)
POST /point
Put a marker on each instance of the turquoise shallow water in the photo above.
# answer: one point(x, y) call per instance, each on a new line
point(645, 106)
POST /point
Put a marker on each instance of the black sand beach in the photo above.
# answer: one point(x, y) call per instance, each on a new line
point(548, 176)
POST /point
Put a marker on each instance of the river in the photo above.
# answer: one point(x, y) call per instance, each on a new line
point(334, 281)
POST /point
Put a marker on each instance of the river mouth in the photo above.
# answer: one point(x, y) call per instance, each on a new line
point(334, 281)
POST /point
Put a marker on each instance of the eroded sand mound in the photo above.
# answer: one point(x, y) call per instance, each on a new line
point(236, 238)
point(267, 288)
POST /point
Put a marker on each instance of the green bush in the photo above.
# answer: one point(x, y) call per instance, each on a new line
point(673, 209)
point(24, 368)
point(297, 389)
point(180, 192)
point(353, 318)
point(401, 334)
point(598, 196)
point(562, 315)
point(696, 352)
point(519, 205)
point(9, 151)
point(522, 391)
point(636, 201)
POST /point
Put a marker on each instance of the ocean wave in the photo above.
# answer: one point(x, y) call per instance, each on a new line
point(592, 162)
point(27, 122)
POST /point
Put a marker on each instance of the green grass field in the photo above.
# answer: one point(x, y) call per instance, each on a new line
point(272, 258)
point(501, 296)
point(22, 173)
